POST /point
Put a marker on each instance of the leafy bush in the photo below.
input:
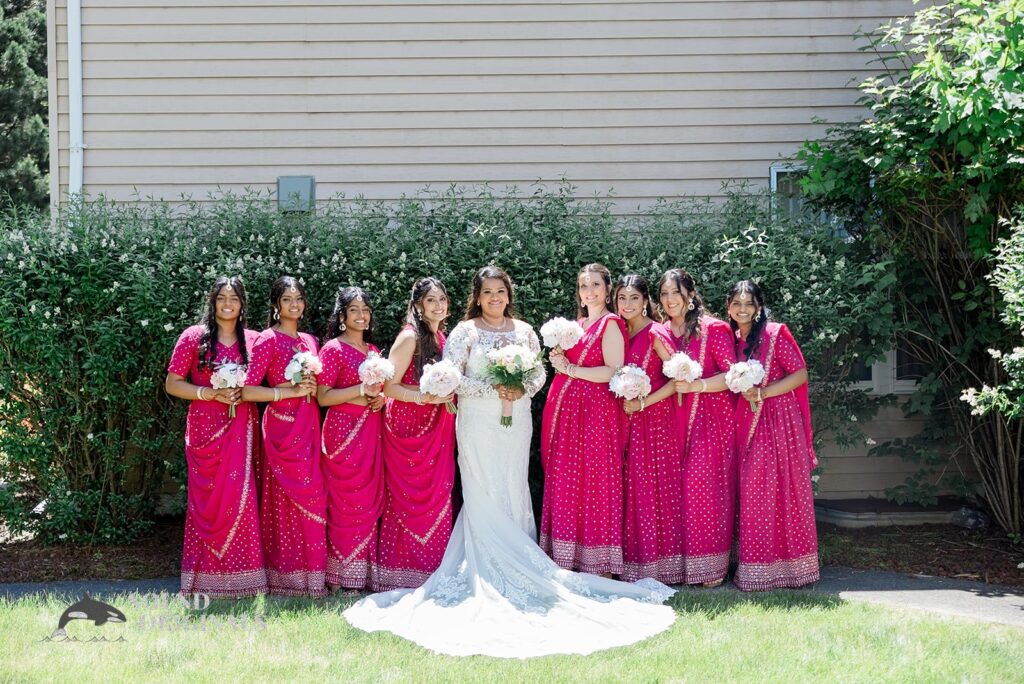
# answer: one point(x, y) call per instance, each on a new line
point(92, 302)
point(928, 179)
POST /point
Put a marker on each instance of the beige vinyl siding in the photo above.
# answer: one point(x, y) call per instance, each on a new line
point(648, 99)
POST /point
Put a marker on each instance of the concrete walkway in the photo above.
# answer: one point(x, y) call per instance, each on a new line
point(974, 600)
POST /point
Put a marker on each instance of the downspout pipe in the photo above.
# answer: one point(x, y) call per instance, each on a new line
point(76, 144)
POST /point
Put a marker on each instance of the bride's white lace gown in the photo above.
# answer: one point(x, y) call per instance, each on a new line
point(496, 593)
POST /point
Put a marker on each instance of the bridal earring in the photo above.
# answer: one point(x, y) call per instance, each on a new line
point(645, 310)
point(690, 306)
point(343, 327)
point(758, 316)
point(277, 315)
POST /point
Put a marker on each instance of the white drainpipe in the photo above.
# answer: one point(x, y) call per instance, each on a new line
point(76, 144)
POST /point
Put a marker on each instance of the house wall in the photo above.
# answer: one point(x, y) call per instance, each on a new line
point(651, 99)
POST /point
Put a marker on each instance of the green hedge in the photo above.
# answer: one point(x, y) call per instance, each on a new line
point(92, 300)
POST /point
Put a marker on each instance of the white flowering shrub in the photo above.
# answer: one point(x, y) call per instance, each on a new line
point(92, 302)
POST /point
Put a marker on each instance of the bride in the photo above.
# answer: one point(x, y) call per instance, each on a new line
point(496, 593)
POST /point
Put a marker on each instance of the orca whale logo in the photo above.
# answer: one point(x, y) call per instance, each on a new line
point(87, 609)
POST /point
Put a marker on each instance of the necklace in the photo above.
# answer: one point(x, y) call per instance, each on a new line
point(504, 327)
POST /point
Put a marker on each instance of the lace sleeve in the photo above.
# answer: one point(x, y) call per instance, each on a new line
point(457, 350)
point(535, 381)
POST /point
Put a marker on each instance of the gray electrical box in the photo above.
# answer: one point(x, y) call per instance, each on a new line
point(296, 193)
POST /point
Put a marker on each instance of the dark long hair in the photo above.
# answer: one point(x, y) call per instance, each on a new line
point(345, 297)
point(638, 283)
point(754, 337)
point(427, 349)
point(606, 276)
point(283, 283)
point(686, 284)
point(473, 308)
point(208, 340)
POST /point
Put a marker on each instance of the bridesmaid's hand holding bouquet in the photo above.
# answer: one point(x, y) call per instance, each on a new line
point(441, 379)
point(744, 376)
point(228, 375)
point(304, 364)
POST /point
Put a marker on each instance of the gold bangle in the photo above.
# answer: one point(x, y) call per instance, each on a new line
point(199, 394)
point(759, 398)
point(277, 394)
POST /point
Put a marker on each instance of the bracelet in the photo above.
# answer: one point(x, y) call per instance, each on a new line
point(570, 370)
point(199, 393)
point(759, 399)
point(703, 385)
point(277, 394)
point(642, 405)
point(417, 397)
point(362, 390)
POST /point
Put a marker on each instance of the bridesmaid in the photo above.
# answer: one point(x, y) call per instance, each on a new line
point(221, 556)
point(292, 504)
point(582, 439)
point(652, 544)
point(778, 542)
point(351, 459)
point(419, 450)
point(706, 432)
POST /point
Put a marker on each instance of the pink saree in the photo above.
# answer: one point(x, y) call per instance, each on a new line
point(778, 543)
point(582, 452)
point(353, 469)
point(221, 556)
point(293, 503)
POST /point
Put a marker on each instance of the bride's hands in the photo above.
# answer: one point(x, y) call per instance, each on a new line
point(509, 393)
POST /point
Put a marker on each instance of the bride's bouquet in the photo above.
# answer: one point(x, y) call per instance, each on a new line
point(744, 375)
point(441, 379)
point(302, 364)
point(375, 370)
point(561, 334)
point(228, 375)
point(630, 382)
point(681, 367)
point(510, 366)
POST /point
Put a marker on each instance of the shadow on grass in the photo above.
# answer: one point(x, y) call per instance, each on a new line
point(716, 602)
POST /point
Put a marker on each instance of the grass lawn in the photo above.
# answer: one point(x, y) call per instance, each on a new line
point(718, 636)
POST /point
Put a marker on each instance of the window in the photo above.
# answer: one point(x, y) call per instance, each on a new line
point(900, 370)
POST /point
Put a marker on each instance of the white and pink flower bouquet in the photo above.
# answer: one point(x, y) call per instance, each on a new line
point(441, 379)
point(630, 382)
point(681, 367)
point(744, 375)
point(510, 366)
point(302, 364)
point(561, 334)
point(375, 370)
point(228, 375)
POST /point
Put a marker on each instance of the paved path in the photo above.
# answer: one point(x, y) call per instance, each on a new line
point(975, 600)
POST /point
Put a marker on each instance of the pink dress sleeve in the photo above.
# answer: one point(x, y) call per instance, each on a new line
point(185, 350)
point(721, 346)
point(788, 354)
point(310, 342)
point(260, 358)
point(659, 332)
point(330, 359)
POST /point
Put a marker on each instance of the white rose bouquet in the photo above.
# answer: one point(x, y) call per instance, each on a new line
point(441, 379)
point(561, 334)
point(744, 375)
point(510, 366)
point(228, 375)
point(302, 364)
point(630, 382)
point(376, 370)
point(681, 367)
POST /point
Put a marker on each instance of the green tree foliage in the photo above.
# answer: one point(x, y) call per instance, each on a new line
point(24, 144)
point(91, 304)
point(926, 180)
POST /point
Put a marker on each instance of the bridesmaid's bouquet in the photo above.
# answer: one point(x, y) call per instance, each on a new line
point(228, 375)
point(375, 370)
point(681, 367)
point(510, 366)
point(302, 364)
point(441, 379)
point(559, 333)
point(744, 375)
point(630, 382)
